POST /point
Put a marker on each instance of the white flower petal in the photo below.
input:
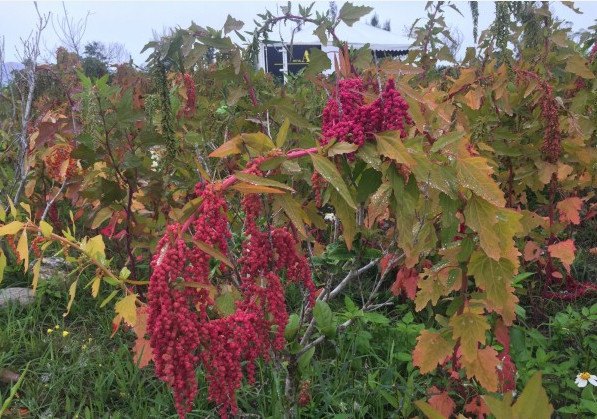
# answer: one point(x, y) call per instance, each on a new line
point(581, 383)
point(593, 380)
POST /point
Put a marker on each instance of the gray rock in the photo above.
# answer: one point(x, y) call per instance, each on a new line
point(24, 296)
point(53, 268)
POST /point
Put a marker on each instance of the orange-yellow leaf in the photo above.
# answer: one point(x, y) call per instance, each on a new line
point(229, 147)
point(531, 251)
point(406, 281)
point(470, 328)
point(564, 251)
point(569, 209)
point(142, 354)
point(483, 367)
point(431, 350)
point(11, 228)
point(435, 283)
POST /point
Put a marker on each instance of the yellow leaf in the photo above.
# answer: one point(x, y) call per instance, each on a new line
point(11, 228)
point(260, 180)
point(72, 291)
point(36, 269)
point(215, 253)
point(2, 265)
point(101, 216)
point(95, 285)
point(23, 249)
point(27, 208)
point(13, 210)
point(2, 214)
point(283, 133)
point(95, 247)
point(579, 66)
point(533, 402)
point(127, 309)
point(46, 229)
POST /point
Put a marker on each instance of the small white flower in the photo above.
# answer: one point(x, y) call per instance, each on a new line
point(330, 216)
point(583, 378)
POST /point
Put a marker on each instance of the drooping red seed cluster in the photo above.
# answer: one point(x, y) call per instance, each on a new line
point(59, 165)
point(181, 323)
point(189, 107)
point(318, 183)
point(176, 312)
point(552, 137)
point(349, 119)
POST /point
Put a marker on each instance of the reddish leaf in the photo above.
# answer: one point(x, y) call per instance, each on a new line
point(569, 210)
point(441, 402)
point(431, 350)
point(506, 372)
point(477, 407)
point(406, 281)
point(531, 251)
point(502, 334)
point(563, 251)
point(142, 351)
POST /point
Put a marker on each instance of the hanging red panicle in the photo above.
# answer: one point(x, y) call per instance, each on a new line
point(349, 119)
point(189, 107)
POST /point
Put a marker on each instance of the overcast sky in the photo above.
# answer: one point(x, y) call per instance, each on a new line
point(132, 22)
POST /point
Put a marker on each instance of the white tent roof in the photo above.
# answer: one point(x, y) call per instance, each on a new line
point(359, 34)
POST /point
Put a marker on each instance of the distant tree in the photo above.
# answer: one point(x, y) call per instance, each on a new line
point(333, 11)
point(95, 61)
point(374, 21)
point(386, 26)
point(69, 31)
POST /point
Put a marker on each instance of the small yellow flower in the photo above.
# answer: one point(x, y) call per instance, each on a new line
point(57, 327)
point(50, 331)
point(84, 346)
point(64, 334)
point(584, 378)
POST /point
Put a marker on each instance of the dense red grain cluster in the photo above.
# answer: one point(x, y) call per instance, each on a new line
point(182, 324)
point(59, 165)
point(349, 119)
point(552, 137)
point(189, 107)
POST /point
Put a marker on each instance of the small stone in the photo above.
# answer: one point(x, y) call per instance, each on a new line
point(24, 296)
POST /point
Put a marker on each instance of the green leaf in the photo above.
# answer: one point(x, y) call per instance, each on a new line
point(325, 319)
point(342, 148)
point(293, 211)
point(262, 181)
point(350, 14)
point(305, 359)
point(428, 411)
point(533, 402)
point(258, 141)
point(318, 62)
point(475, 174)
point(329, 172)
point(347, 217)
point(495, 279)
point(390, 145)
point(580, 66)
point(232, 25)
point(283, 133)
point(320, 32)
point(446, 140)
point(292, 327)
